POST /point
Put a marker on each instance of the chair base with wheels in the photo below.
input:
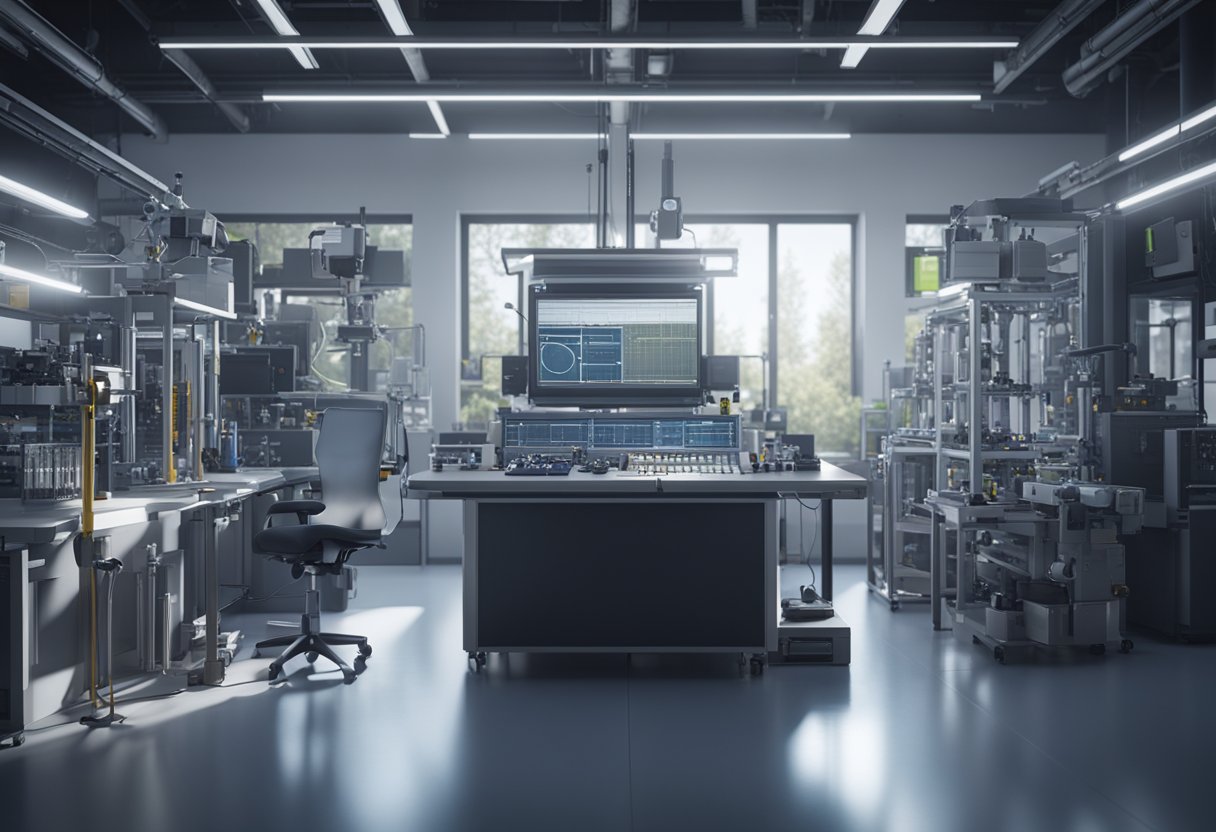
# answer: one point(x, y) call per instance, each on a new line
point(326, 534)
point(313, 643)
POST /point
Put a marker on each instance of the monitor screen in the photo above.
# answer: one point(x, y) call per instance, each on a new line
point(616, 348)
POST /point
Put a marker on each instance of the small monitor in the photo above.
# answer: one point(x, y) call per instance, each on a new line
point(624, 348)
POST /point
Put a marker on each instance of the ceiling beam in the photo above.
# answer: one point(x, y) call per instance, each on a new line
point(394, 18)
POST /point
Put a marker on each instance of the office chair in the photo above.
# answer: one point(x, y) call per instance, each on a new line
point(348, 518)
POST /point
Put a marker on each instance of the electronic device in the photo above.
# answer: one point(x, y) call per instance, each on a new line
point(462, 455)
point(538, 465)
point(809, 607)
point(515, 375)
point(663, 464)
point(246, 374)
point(615, 346)
point(297, 334)
point(611, 434)
point(283, 363)
point(721, 372)
point(1190, 467)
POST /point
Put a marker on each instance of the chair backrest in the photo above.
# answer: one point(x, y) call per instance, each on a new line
point(349, 452)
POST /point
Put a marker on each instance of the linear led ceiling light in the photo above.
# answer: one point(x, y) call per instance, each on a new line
point(279, 22)
point(876, 22)
point(605, 96)
point(28, 194)
point(567, 44)
point(38, 279)
point(1167, 186)
point(1171, 132)
point(429, 135)
point(534, 136)
point(738, 136)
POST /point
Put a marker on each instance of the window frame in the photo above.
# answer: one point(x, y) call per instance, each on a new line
point(772, 220)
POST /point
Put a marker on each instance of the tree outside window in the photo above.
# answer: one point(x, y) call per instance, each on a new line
point(494, 331)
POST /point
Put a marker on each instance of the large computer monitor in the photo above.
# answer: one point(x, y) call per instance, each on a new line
point(615, 348)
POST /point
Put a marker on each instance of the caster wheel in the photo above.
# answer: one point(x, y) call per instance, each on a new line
point(360, 664)
point(18, 740)
point(365, 650)
point(481, 659)
point(1126, 645)
point(349, 677)
point(311, 656)
point(273, 672)
point(477, 661)
point(894, 606)
point(998, 653)
point(756, 666)
point(1097, 649)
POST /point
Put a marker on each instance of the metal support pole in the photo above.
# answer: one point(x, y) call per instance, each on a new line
point(166, 351)
point(825, 550)
point(975, 400)
point(213, 665)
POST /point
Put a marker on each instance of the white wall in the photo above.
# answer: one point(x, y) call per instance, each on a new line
point(881, 179)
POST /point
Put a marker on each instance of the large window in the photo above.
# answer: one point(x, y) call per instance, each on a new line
point(394, 308)
point(789, 313)
point(490, 329)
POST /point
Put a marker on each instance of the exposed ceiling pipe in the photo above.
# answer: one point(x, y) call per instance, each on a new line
point(195, 73)
point(26, 118)
point(13, 43)
point(191, 70)
point(619, 62)
point(1062, 20)
point(1106, 49)
point(74, 60)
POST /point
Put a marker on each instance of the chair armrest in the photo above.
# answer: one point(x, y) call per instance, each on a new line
point(302, 509)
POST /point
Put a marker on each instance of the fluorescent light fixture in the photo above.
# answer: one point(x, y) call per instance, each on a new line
point(881, 13)
point(429, 135)
point(38, 279)
point(593, 97)
point(28, 194)
point(738, 136)
point(1198, 119)
point(394, 17)
point(534, 136)
point(1167, 186)
point(279, 22)
point(1150, 142)
point(204, 308)
point(587, 43)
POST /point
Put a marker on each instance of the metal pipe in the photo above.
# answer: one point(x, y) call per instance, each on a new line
point(28, 119)
point(127, 336)
point(235, 115)
point(1062, 20)
point(78, 63)
point(1106, 50)
point(167, 392)
point(629, 193)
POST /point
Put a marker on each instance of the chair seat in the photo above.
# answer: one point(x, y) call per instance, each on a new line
point(306, 540)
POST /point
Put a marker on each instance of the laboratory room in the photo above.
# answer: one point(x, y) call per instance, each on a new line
point(580, 415)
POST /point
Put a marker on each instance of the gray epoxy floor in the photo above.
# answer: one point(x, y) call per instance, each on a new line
point(919, 733)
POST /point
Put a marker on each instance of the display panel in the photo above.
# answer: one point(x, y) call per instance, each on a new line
point(603, 349)
point(621, 432)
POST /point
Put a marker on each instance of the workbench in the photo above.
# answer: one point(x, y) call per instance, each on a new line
point(45, 610)
point(624, 563)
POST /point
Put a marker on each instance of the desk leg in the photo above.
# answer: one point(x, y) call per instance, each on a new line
point(825, 551)
point(937, 572)
point(213, 665)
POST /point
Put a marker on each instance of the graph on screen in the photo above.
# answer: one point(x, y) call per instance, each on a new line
point(617, 341)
